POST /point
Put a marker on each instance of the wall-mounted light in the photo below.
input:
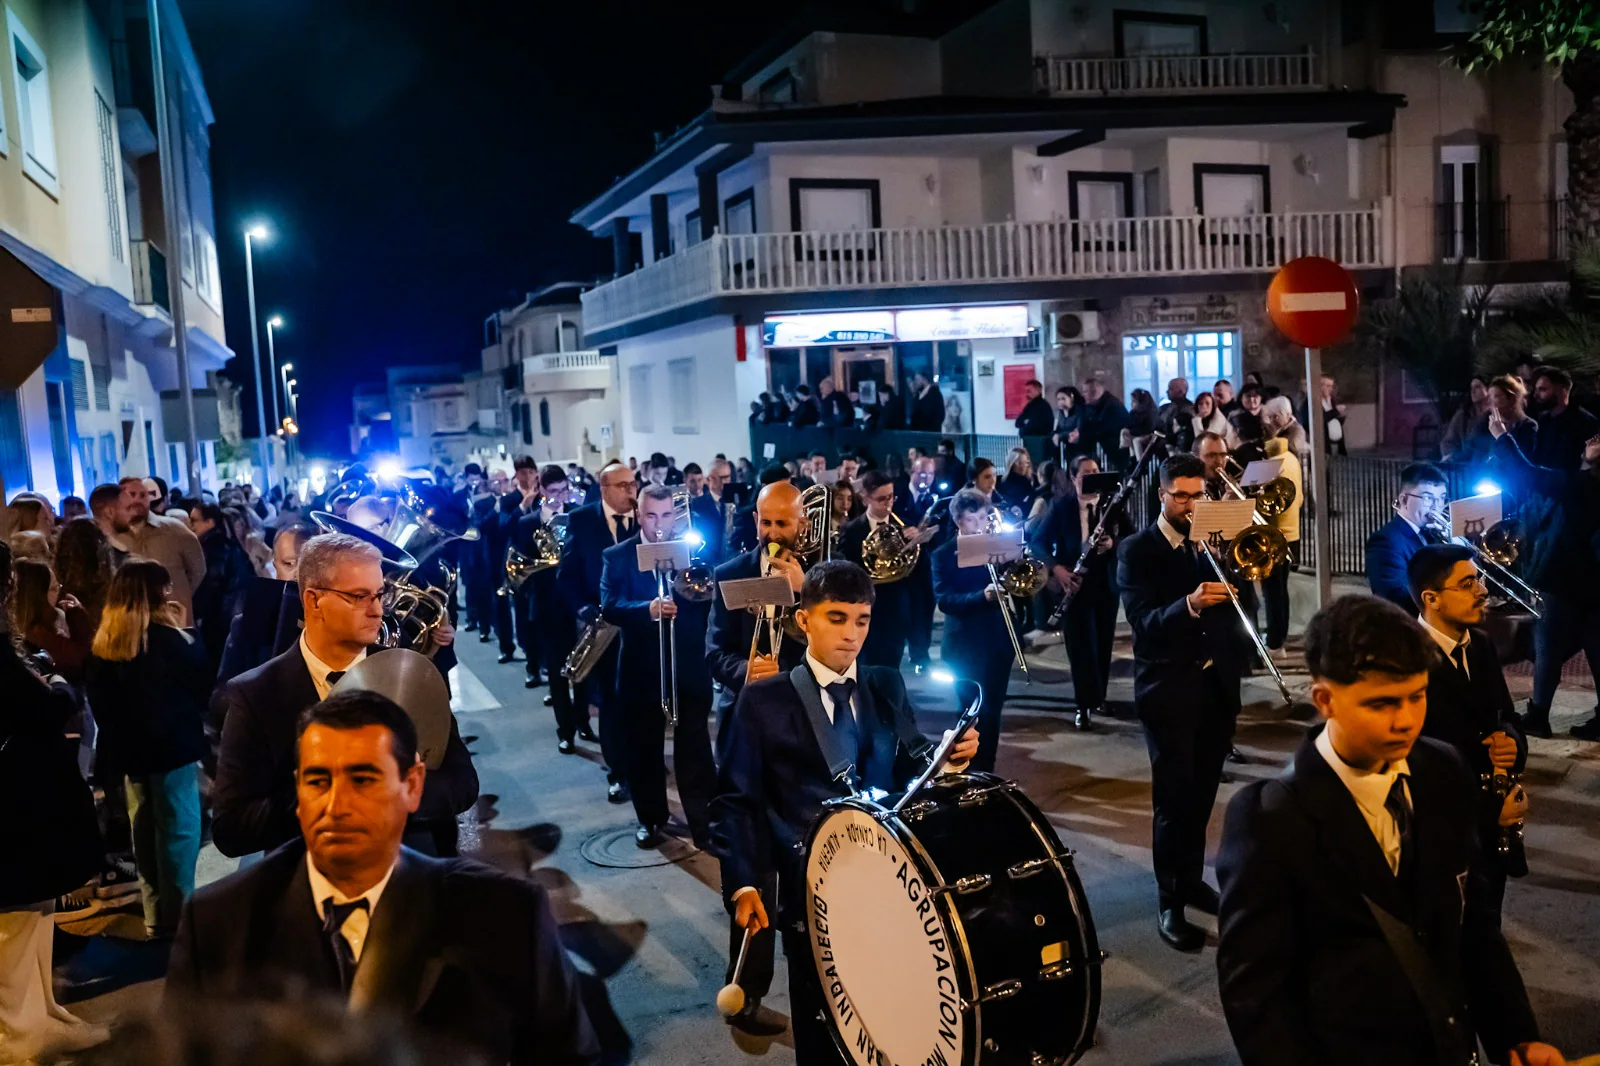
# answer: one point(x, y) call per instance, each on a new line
point(931, 183)
point(1036, 173)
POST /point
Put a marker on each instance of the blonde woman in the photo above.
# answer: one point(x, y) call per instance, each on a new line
point(148, 682)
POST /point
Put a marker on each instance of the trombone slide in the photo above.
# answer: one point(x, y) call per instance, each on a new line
point(1002, 600)
point(1249, 626)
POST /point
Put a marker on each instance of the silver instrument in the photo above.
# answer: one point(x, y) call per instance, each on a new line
point(519, 567)
point(586, 654)
point(1022, 578)
point(694, 583)
point(1253, 554)
point(1496, 551)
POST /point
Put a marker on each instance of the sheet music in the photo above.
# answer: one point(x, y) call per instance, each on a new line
point(980, 549)
point(1472, 517)
point(771, 591)
point(1221, 519)
point(1259, 472)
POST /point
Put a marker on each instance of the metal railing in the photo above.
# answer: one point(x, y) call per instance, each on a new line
point(1473, 230)
point(1002, 252)
point(149, 275)
point(1104, 76)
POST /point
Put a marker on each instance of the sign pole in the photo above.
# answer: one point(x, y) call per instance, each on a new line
point(1322, 530)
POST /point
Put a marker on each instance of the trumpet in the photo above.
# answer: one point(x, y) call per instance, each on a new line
point(1022, 578)
point(777, 624)
point(1495, 550)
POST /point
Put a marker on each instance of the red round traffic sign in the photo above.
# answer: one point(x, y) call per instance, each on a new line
point(1313, 301)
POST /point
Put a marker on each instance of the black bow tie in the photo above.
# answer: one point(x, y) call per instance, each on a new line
point(333, 677)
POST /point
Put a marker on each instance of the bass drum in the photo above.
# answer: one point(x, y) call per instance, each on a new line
point(954, 932)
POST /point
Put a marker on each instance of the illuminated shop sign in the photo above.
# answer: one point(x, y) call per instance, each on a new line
point(962, 323)
point(843, 327)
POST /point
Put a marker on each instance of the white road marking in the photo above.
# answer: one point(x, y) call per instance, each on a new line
point(468, 693)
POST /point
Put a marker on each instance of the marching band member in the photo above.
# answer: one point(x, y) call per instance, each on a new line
point(1469, 705)
point(629, 599)
point(1185, 691)
point(1352, 927)
point(510, 621)
point(555, 630)
point(886, 642)
point(591, 529)
point(1089, 626)
point(478, 576)
point(713, 510)
point(1423, 491)
point(976, 646)
point(913, 508)
point(775, 775)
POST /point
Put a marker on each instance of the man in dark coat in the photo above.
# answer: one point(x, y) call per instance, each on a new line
point(1102, 418)
point(628, 598)
point(1423, 492)
point(1036, 419)
point(806, 410)
point(886, 643)
point(1353, 925)
point(554, 629)
point(463, 953)
point(1563, 427)
point(927, 405)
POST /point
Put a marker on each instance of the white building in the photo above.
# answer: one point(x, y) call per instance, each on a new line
point(85, 333)
point(1042, 190)
point(558, 401)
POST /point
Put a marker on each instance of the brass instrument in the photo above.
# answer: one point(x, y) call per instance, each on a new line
point(586, 654)
point(777, 625)
point(1023, 578)
point(815, 543)
point(695, 583)
point(1496, 551)
point(1252, 555)
point(1271, 499)
point(887, 554)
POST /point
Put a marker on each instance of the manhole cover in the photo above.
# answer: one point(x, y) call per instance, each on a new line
point(615, 848)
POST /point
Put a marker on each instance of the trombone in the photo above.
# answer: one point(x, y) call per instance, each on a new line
point(1272, 499)
point(1496, 551)
point(1253, 554)
point(694, 583)
point(777, 625)
point(1022, 578)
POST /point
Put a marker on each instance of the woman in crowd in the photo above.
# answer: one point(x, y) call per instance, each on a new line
point(1457, 435)
point(149, 683)
point(1275, 586)
point(1278, 421)
point(228, 574)
point(51, 844)
point(844, 504)
point(1207, 419)
point(29, 512)
point(1015, 490)
point(250, 534)
point(1508, 398)
point(1047, 485)
point(49, 621)
point(1068, 435)
point(983, 477)
point(1141, 422)
point(83, 565)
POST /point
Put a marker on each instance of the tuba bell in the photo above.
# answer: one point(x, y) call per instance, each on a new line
point(815, 542)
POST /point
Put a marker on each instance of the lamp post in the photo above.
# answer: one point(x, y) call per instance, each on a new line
point(275, 322)
point(257, 232)
point(284, 380)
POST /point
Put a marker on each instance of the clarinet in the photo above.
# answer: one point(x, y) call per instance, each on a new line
point(1110, 509)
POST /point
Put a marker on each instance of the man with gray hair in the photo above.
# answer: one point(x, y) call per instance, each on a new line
point(253, 799)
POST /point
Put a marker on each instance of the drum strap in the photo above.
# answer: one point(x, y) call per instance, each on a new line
point(841, 763)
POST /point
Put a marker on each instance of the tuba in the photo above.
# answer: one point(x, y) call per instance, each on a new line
point(814, 544)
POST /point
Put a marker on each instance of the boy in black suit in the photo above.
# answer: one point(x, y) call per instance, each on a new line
point(1354, 925)
point(1185, 691)
point(1469, 705)
point(787, 731)
point(454, 948)
point(628, 599)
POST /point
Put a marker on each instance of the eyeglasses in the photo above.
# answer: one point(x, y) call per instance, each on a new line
point(1429, 498)
point(1183, 497)
point(1467, 584)
point(359, 600)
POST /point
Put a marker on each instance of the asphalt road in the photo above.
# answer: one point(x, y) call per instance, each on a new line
point(656, 936)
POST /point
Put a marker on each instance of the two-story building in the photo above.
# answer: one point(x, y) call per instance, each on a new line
point(1046, 190)
point(559, 401)
point(86, 347)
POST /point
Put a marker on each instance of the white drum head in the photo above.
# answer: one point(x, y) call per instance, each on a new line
point(883, 953)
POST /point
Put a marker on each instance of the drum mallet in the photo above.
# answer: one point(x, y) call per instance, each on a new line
point(730, 1000)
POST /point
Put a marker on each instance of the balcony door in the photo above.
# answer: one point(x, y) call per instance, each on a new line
point(833, 206)
point(1149, 33)
point(1227, 190)
point(1460, 196)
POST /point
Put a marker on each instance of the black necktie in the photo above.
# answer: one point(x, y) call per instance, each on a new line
point(844, 719)
point(1459, 657)
point(333, 919)
point(622, 528)
point(1398, 804)
point(333, 677)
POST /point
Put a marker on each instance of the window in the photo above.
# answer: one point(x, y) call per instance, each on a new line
point(739, 212)
point(681, 395)
point(691, 228)
point(80, 385)
point(149, 448)
point(1226, 189)
point(110, 187)
point(208, 285)
point(639, 399)
point(175, 464)
point(544, 418)
point(91, 469)
point(14, 468)
point(55, 402)
point(829, 205)
point(110, 458)
point(31, 76)
point(1150, 360)
point(1149, 33)
point(1099, 196)
point(527, 423)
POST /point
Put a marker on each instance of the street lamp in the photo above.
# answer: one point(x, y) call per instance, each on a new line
point(273, 323)
point(257, 232)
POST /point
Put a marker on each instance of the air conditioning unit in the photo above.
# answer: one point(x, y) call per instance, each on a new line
point(1074, 327)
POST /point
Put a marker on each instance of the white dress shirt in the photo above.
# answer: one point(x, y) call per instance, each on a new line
point(359, 922)
point(826, 677)
point(1370, 790)
point(611, 520)
point(1448, 645)
point(320, 670)
point(1177, 540)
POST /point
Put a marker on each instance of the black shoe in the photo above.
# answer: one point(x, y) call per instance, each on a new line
point(1235, 755)
point(647, 836)
point(1081, 722)
point(751, 1021)
point(585, 733)
point(1589, 730)
point(471, 627)
point(1536, 723)
point(617, 792)
point(485, 637)
point(507, 657)
point(1177, 932)
point(1203, 898)
point(532, 682)
point(548, 699)
point(565, 746)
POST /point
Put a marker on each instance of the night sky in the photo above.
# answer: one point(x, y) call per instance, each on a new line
point(418, 162)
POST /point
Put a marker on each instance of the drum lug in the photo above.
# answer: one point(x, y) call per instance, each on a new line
point(1033, 866)
point(965, 886)
point(998, 990)
point(1057, 972)
point(909, 813)
point(974, 796)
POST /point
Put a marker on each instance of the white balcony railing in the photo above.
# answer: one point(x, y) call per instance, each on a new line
point(1072, 76)
point(998, 253)
point(555, 361)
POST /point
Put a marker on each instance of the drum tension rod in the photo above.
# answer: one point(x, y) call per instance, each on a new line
point(1068, 967)
point(996, 991)
point(1033, 866)
point(908, 813)
point(965, 886)
point(974, 796)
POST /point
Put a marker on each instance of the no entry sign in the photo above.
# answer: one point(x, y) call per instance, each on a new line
point(1313, 301)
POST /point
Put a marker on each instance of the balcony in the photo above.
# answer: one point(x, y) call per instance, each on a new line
point(1005, 253)
point(149, 276)
point(1139, 75)
point(566, 372)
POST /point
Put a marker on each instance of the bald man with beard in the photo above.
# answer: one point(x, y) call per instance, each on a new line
point(780, 520)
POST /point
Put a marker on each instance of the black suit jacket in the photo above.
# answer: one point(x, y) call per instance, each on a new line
point(253, 797)
point(1170, 645)
point(776, 774)
point(710, 520)
point(974, 631)
point(728, 641)
point(927, 412)
point(1059, 538)
point(266, 626)
point(890, 605)
point(1306, 975)
point(459, 950)
point(625, 596)
point(1389, 549)
point(588, 536)
point(1036, 419)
